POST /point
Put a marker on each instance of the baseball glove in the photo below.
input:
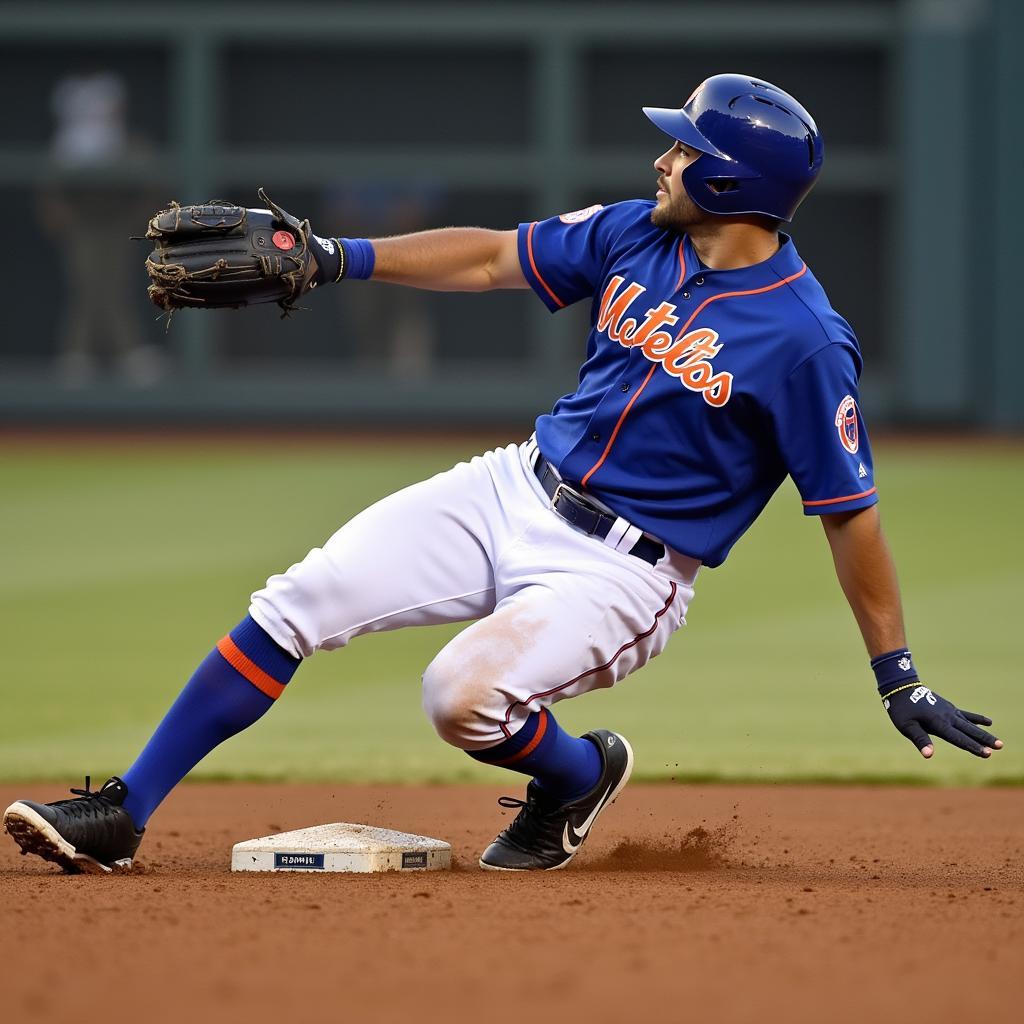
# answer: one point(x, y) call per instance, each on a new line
point(219, 255)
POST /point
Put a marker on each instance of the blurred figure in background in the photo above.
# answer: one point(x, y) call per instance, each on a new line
point(391, 326)
point(91, 210)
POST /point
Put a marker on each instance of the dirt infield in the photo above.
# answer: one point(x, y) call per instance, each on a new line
point(726, 903)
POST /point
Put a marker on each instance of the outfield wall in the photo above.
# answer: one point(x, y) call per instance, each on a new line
point(388, 117)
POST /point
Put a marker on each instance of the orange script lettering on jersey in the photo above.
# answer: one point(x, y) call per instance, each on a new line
point(688, 358)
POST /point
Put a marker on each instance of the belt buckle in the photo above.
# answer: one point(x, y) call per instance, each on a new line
point(563, 486)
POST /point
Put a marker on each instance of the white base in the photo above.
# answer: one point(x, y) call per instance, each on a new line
point(342, 846)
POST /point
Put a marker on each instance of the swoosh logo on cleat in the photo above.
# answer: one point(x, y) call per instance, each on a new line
point(581, 833)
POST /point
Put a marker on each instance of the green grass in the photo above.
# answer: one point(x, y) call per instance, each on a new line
point(124, 563)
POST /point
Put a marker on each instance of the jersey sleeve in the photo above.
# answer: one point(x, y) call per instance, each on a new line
point(562, 257)
point(821, 435)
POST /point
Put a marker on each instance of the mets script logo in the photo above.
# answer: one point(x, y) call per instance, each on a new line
point(846, 424)
point(688, 358)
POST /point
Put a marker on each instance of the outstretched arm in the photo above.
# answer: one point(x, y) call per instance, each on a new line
point(867, 575)
point(450, 260)
point(221, 255)
point(443, 260)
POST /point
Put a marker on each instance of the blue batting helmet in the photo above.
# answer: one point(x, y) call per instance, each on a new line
point(758, 146)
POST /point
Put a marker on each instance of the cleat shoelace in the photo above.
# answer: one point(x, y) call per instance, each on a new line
point(86, 804)
point(521, 831)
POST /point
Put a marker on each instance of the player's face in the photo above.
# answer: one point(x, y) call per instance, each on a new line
point(675, 210)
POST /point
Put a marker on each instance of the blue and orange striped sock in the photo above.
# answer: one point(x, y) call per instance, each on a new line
point(564, 766)
point(235, 685)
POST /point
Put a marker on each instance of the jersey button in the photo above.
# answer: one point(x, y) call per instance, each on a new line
point(623, 387)
point(686, 295)
point(595, 437)
point(700, 280)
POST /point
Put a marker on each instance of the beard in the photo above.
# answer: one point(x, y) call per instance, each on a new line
point(678, 212)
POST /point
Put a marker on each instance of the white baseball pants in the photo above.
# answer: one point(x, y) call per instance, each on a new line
point(559, 612)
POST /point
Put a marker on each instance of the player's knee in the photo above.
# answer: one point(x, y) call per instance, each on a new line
point(457, 706)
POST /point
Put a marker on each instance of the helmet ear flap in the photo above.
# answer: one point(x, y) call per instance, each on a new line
point(718, 186)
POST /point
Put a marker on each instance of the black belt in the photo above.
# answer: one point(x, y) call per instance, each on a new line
point(574, 508)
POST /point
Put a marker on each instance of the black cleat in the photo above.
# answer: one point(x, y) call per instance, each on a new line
point(546, 835)
point(92, 833)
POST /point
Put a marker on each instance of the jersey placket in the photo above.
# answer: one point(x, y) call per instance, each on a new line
point(681, 281)
point(609, 414)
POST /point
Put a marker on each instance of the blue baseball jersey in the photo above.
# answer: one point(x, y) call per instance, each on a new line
point(701, 389)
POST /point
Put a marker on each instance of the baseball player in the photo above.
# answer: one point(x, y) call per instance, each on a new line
point(714, 368)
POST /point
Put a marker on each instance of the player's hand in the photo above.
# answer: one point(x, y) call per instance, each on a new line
point(919, 714)
point(301, 229)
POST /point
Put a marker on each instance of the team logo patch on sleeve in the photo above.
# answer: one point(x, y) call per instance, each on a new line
point(847, 425)
point(577, 215)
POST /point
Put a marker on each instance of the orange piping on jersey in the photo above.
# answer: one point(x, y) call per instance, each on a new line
point(682, 265)
point(836, 501)
point(247, 667)
point(615, 433)
point(713, 298)
point(533, 266)
point(542, 727)
point(730, 295)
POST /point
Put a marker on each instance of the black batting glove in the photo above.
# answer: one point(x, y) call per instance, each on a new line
point(920, 713)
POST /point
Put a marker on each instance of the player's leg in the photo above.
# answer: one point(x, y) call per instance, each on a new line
point(587, 624)
point(414, 558)
point(420, 556)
